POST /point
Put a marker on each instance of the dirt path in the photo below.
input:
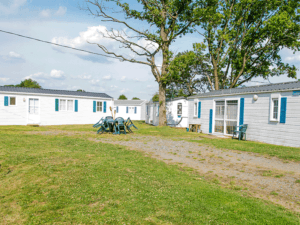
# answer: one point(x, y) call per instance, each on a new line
point(263, 177)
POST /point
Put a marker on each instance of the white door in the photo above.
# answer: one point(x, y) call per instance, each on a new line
point(33, 111)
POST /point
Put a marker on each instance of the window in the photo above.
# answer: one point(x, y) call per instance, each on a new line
point(12, 101)
point(179, 109)
point(66, 105)
point(99, 106)
point(275, 104)
point(131, 110)
point(62, 105)
point(275, 108)
point(195, 109)
point(226, 116)
point(33, 106)
point(70, 105)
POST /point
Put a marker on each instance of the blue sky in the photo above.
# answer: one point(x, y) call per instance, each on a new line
point(57, 68)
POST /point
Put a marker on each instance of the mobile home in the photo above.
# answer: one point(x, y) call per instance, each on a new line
point(272, 112)
point(24, 106)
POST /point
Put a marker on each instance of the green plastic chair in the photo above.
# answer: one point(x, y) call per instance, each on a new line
point(119, 125)
point(241, 131)
point(130, 124)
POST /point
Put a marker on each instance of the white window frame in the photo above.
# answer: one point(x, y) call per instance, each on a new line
point(62, 110)
point(9, 101)
point(272, 97)
point(195, 110)
point(179, 103)
point(66, 110)
point(102, 105)
point(225, 113)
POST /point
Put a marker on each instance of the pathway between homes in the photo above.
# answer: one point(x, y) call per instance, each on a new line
point(259, 176)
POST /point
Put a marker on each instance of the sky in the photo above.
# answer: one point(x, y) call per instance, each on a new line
point(64, 22)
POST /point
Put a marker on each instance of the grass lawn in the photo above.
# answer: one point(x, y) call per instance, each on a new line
point(71, 180)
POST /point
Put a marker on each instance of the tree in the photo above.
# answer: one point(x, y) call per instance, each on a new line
point(243, 39)
point(167, 21)
point(135, 98)
point(122, 97)
point(155, 97)
point(28, 83)
point(81, 90)
point(187, 74)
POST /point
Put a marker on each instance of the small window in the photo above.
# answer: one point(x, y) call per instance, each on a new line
point(195, 109)
point(179, 109)
point(12, 101)
point(275, 109)
point(62, 105)
point(99, 106)
point(70, 105)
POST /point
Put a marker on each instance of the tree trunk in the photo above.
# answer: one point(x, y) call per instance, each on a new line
point(162, 105)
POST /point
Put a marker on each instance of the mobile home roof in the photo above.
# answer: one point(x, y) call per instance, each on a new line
point(288, 86)
point(52, 92)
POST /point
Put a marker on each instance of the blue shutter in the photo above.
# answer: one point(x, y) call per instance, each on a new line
point(56, 105)
point(5, 100)
point(76, 105)
point(126, 109)
point(242, 106)
point(210, 120)
point(199, 110)
point(283, 110)
point(104, 110)
point(94, 106)
point(117, 109)
point(134, 110)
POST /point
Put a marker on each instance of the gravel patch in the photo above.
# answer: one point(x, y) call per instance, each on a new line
point(259, 176)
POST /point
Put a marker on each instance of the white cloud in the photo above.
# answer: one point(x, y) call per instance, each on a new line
point(54, 74)
point(57, 74)
point(61, 11)
point(84, 77)
point(46, 13)
point(108, 77)
point(13, 57)
point(293, 58)
point(94, 82)
point(4, 79)
point(123, 78)
point(12, 7)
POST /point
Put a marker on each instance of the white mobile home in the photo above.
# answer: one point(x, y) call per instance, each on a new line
point(135, 109)
point(23, 106)
point(176, 111)
point(272, 112)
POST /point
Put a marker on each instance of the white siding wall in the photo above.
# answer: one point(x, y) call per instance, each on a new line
point(18, 115)
point(133, 116)
point(172, 116)
point(13, 115)
point(155, 117)
point(257, 116)
point(143, 111)
point(149, 116)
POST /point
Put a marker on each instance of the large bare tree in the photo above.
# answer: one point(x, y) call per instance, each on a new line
point(166, 21)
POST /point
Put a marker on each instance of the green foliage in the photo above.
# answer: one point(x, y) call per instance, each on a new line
point(28, 83)
point(60, 179)
point(81, 90)
point(135, 98)
point(155, 98)
point(122, 97)
point(243, 40)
